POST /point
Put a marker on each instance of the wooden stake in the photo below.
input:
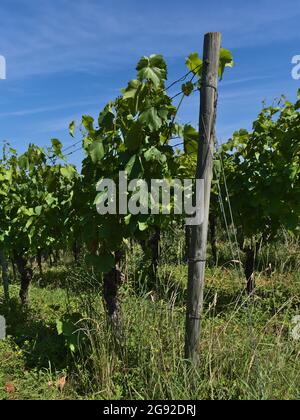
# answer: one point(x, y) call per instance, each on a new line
point(197, 257)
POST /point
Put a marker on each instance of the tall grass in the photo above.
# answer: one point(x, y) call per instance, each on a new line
point(246, 351)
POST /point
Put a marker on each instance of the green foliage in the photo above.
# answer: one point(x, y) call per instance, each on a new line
point(195, 64)
point(263, 173)
point(68, 326)
point(133, 135)
point(152, 69)
point(150, 364)
point(72, 127)
point(226, 60)
point(191, 137)
point(36, 197)
point(238, 360)
point(101, 263)
point(49, 205)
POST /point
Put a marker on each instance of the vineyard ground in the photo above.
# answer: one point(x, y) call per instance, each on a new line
point(247, 350)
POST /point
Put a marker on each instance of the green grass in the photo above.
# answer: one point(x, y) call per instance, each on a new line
point(246, 351)
point(33, 355)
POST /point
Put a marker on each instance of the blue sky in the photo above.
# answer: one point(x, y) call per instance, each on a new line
point(68, 58)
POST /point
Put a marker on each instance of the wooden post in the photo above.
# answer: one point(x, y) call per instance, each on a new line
point(197, 256)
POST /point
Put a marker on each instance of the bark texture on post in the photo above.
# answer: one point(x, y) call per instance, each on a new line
point(188, 236)
point(197, 257)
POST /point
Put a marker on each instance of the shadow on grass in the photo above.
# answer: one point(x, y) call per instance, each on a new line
point(41, 345)
point(170, 288)
point(73, 278)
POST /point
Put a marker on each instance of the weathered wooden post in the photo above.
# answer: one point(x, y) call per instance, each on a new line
point(197, 254)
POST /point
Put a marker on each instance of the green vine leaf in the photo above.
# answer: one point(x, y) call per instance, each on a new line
point(88, 123)
point(152, 68)
point(226, 60)
point(72, 127)
point(135, 136)
point(194, 64)
point(151, 119)
point(96, 151)
point(191, 138)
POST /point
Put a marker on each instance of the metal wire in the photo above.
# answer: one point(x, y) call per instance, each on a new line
point(183, 78)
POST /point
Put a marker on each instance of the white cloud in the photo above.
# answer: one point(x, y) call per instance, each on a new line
point(59, 35)
point(34, 111)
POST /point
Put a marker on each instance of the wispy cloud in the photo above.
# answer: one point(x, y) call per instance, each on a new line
point(244, 80)
point(59, 35)
point(67, 58)
point(34, 111)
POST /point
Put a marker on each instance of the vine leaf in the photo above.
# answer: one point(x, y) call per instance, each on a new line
point(23, 162)
point(190, 136)
point(134, 137)
point(72, 128)
point(143, 226)
point(226, 60)
point(68, 172)
point(153, 154)
point(152, 68)
point(151, 119)
point(194, 64)
point(88, 123)
point(57, 146)
point(131, 90)
point(134, 167)
point(106, 118)
point(96, 151)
